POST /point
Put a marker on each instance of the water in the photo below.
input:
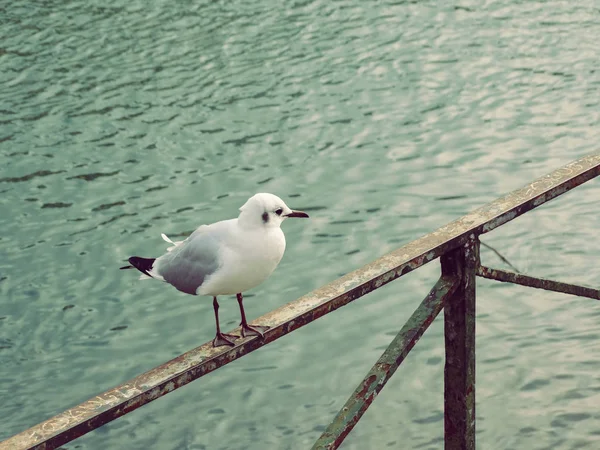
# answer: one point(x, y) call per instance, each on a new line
point(383, 120)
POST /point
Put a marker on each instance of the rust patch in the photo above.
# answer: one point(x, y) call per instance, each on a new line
point(366, 386)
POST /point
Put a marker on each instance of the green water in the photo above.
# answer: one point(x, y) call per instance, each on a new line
point(384, 120)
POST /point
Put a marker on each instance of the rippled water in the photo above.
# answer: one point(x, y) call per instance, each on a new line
point(385, 120)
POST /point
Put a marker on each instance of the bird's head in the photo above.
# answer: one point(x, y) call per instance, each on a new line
point(267, 210)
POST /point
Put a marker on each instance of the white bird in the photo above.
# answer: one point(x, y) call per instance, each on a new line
point(225, 258)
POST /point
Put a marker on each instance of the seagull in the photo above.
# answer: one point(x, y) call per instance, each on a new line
point(225, 258)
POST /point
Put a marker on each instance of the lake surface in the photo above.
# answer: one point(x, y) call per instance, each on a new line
point(384, 120)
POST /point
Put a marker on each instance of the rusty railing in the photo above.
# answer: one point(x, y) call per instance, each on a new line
point(456, 244)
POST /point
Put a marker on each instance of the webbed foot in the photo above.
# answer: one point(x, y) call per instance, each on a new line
point(253, 330)
point(224, 339)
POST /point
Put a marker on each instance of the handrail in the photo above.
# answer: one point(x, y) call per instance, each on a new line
point(446, 241)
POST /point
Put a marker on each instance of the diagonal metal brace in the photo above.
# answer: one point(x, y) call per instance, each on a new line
point(387, 364)
point(539, 283)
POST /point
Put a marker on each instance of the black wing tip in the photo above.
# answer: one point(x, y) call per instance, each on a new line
point(144, 265)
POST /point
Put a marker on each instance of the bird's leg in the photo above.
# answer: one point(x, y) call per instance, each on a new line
point(249, 330)
point(221, 338)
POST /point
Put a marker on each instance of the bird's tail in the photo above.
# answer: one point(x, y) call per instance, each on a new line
point(144, 265)
point(166, 239)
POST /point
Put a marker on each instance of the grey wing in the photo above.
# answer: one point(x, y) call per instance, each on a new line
point(187, 265)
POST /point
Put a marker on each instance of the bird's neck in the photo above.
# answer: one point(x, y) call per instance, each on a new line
point(248, 221)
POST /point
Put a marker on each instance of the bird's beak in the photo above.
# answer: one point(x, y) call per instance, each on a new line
point(297, 214)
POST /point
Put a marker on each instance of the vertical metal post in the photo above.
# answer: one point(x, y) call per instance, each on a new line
point(459, 331)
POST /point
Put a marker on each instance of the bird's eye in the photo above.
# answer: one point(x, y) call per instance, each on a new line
point(278, 211)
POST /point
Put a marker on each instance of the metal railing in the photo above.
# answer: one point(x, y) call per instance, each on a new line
point(456, 244)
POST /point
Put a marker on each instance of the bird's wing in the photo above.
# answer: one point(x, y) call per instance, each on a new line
point(187, 264)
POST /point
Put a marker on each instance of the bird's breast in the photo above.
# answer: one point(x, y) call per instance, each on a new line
point(247, 264)
point(262, 255)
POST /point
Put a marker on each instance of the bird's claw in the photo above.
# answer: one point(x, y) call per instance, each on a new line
point(224, 339)
point(253, 330)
